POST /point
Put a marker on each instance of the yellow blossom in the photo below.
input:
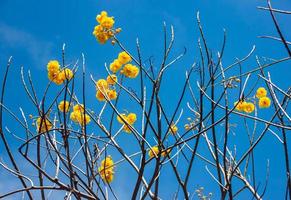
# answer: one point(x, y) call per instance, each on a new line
point(261, 92)
point(249, 107)
point(104, 30)
point(118, 30)
point(101, 84)
point(84, 119)
point(173, 129)
point(59, 79)
point(112, 94)
point(43, 125)
point(66, 74)
point(107, 162)
point(53, 66)
point(100, 96)
point(154, 151)
point(131, 118)
point(80, 118)
point(111, 79)
point(124, 58)
point(240, 105)
point(130, 71)
point(122, 116)
point(64, 106)
point(52, 75)
point(100, 34)
point(79, 107)
point(115, 66)
point(106, 175)
point(107, 22)
point(106, 169)
point(126, 129)
point(101, 16)
point(264, 102)
point(74, 116)
point(165, 152)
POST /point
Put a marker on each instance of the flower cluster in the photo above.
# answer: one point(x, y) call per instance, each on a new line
point(249, 107)
point(127, 119)
point(244, 106)
point(56, 75)
point(43, 125)
point(264, 101)
point(106, 169)
point(128, 70)
point(104, 30)
point(104, 88)
point(64, 106)
point(154, 151)
point(79, 116)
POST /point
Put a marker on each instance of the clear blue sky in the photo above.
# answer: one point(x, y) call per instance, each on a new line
point(33, 32)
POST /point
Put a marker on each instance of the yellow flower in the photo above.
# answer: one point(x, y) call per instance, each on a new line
point(261, 92)
point(106, 169)
point(79, 108)
point(106, 175)
point(111, 79)
point(249, 107)
point(64, 106)
point(130, 71)
point(102, 85)
point(240, 105)
point(165, 152)
point(107, 22)
point(131, 118)
point(80, 117)
point(59, 79)
point(74, 116)
point(115, 66)
point(107, 162)
point(112, 94)
point(52, 75)
point(101, 16)
point(124, 58)
point(264, 102)
point(100, 96)
point(43, 125)
point(104, 31)
point(66, 74)
point(53, 66)
point(118, 30)
point(173, 129)
point(57, 76)
point(154, 151)
point(84, 119)
point(122, 116)
point(126, 129)
point(100, 34)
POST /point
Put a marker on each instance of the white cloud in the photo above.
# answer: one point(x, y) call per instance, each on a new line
point(11, 37)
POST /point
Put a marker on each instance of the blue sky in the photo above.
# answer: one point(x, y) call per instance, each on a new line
point(33, 32)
